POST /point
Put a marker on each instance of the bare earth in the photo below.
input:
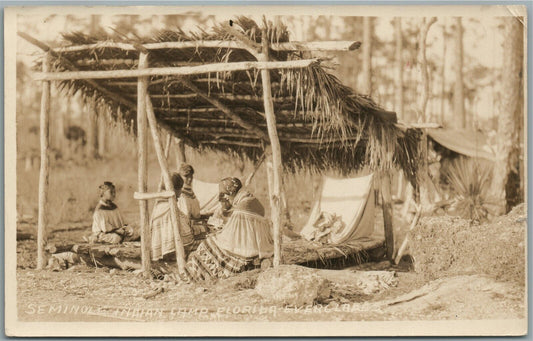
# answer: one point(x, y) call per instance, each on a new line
point(89, 294)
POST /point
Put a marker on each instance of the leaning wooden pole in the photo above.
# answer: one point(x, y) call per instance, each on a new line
point(275, 194)
point(180, 152)
point(142, 146)
point(43, 175)
point(163, 163)
point(387, 214)
point(166, 151)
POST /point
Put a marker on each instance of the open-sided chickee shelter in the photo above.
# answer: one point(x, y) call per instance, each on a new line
point(241, 88)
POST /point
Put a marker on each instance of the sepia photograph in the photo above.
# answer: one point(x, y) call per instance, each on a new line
point(266, 171)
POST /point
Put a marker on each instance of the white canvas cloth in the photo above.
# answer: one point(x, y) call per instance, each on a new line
point(351, 200)
point(207, 194)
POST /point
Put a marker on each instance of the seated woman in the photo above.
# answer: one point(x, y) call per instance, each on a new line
point(163, 243)
point(246, 236)
point(187, 202)
point(108, 225)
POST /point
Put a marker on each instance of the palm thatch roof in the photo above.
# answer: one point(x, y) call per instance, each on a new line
point(322, 124)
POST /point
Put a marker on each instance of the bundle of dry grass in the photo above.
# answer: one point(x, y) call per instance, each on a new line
point(322, 124)
point(450, 246)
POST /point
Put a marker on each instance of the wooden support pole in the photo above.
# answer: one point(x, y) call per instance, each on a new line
point(92, 126)
point(168, 143)
point(423, 175)
point(256, 168)
point(408, 201)
point(142, 176)
point(180, 252)
point(157, 195)
point(101, 133)
point(387, 214)
point(43, 174)
point(275, 194)
point(403, 247)
point(180, 152)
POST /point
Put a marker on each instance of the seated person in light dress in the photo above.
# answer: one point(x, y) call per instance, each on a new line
point(245, 237)
point(187, 202)
point(246, 233)
point(108, 224)
point(163, 242)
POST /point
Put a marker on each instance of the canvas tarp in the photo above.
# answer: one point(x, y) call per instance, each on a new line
point(207, 194)
point(350, 199)
point(468, 143)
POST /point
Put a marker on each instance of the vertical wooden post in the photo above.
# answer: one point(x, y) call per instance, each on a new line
point(180, 153)
point(142, 146)
point(43, 175)
point(423, 175)
point(91, 128)
point(101, 134)
point(387, 213)
point(275, 194)
point(180, 252)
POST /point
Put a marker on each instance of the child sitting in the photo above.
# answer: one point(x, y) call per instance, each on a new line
point(108, 225)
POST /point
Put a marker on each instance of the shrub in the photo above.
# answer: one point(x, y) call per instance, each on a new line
point(469, 181)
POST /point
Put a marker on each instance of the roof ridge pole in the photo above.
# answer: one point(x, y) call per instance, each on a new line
point(43, 173)
point(275, 193)
point(142, 173)
point(163, 163)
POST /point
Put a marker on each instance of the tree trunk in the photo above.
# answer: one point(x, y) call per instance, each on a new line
point(368, 30)
point(510, 117)
point(443, 74)
point(423, 67)
point(398, 77)
point(425, 197)
point(458, 92)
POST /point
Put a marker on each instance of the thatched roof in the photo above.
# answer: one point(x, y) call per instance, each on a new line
point(322, 124)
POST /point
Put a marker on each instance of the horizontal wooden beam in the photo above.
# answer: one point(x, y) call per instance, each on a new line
point(68, 64)
point(177, 71)
point(112, 61)
point(210, 80)
point(217, 110)
point(235, 143)
point(225, 120)
point(126, 61)
point(156, 195)
point(423, 125)
point(319, 46)
point(223, 96)
point(230, 44)
point(220, 132)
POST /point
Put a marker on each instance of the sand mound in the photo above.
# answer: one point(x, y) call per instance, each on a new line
point(450, 246)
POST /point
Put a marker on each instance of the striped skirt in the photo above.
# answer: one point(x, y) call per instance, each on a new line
point(211, 262)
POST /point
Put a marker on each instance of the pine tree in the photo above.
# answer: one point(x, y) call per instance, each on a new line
point(510, 116)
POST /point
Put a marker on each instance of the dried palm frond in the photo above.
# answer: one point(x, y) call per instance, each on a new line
point(348, 131)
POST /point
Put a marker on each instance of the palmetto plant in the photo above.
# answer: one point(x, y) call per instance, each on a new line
point(469, 181)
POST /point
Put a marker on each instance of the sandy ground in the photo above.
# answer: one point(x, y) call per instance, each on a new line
point(89, 294)
point(93, 294)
